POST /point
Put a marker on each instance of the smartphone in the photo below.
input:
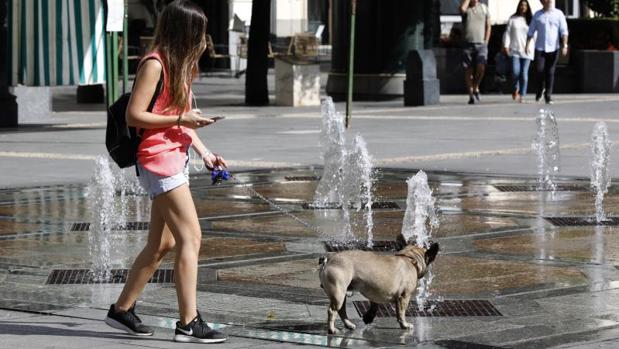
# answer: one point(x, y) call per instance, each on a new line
point(215, 118)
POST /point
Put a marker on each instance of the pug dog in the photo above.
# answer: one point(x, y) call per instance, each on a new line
point(380, 278)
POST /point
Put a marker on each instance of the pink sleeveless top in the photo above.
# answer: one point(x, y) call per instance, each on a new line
point(163, 151)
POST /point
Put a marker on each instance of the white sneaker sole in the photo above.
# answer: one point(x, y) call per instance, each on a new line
point(191, 339)
point(119, 326)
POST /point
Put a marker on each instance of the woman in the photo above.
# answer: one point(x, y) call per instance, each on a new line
point(514, 44)
point(162, 163)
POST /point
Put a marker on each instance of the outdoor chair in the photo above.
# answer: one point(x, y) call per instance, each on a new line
point(303, 45)
point(241, 51)
point(212, 53)
point(145, 44)
point(134, 54)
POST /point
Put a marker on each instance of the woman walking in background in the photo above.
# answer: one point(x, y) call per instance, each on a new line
point(514, 45)
point(162, 162)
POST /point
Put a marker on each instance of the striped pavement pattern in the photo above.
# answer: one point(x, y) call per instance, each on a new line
point(56, 42)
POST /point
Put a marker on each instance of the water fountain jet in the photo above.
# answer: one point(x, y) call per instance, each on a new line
point(357, 183)
point(546, 147)
point(420, 219)
point(347, 177)
point(600, 178)
point(100, 193)
point(333, 144)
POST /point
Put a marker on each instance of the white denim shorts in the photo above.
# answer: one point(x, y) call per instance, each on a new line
point(155, 184)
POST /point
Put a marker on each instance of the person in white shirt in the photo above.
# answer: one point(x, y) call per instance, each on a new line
point(514, 45)
point(551, 27)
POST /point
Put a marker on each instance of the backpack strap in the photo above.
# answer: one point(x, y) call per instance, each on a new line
point(151, 105)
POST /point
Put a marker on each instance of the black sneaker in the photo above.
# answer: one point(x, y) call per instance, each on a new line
point(471, 100)
point(549, 100)
point(197, 331)
point(476, 94)
point(538, 95)
point(127, 321)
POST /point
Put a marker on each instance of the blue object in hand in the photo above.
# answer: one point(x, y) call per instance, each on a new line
point(217, 176)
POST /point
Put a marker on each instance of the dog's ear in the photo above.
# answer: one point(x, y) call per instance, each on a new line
point(431, 253)
point(400, 242)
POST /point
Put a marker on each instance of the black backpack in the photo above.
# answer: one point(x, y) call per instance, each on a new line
point(122, 141)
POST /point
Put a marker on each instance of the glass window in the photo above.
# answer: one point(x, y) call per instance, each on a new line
point(569, 7)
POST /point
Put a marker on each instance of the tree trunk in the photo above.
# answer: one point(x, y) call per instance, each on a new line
point(8, 104)
point(4, 81)
point(256, 88)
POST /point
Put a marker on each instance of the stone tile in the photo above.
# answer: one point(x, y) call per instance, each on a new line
point(548, 282)
point(269, 225)
point(209, 207)
point(582, 244)
point(459, 276)
point(298, 273)
point(72, 249)
point(12, 227)
point(541, 203)
point(223, 247)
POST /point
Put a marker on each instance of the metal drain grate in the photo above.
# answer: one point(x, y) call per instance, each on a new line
point(335, 206)
point(135, 226)
point(302, 178)
point(378, 246)
point(80, 227)
point(435, 309)
point(533, 187)
point(385, 205)
point(326, 206)
point(581, 221)
point(455, 344)
point(85, 226)
point(117, 276)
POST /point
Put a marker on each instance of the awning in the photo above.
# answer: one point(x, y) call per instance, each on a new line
point(56, 42)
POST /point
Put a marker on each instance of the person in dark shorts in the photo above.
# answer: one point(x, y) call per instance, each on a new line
point(476, 25)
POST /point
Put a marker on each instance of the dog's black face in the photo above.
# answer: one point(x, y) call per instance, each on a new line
point(430, 253)
point(400, 242)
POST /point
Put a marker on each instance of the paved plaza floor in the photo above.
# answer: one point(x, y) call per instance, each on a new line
point(518, 267)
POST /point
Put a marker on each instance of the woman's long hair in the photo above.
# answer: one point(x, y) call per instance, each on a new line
point(180, 39)
point(527, 15)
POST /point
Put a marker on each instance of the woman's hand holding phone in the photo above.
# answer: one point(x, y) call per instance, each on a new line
point(194, 119)
point(216, 118)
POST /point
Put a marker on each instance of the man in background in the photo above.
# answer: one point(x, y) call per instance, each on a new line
point(551, 27)
point(476, 24)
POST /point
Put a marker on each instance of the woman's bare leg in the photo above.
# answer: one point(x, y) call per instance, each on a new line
point(160, 241)
point(179, 213)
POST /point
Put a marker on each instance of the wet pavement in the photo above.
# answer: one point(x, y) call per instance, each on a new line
point(550, 285)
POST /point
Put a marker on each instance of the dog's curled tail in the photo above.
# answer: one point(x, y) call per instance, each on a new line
point(322, 262)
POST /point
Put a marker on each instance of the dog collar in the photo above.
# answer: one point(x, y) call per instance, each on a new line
point(420, 270)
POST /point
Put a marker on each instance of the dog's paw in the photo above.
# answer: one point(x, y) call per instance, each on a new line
point(349, 325)
point(405, 325)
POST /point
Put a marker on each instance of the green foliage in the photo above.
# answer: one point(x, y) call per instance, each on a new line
point(605, 8)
